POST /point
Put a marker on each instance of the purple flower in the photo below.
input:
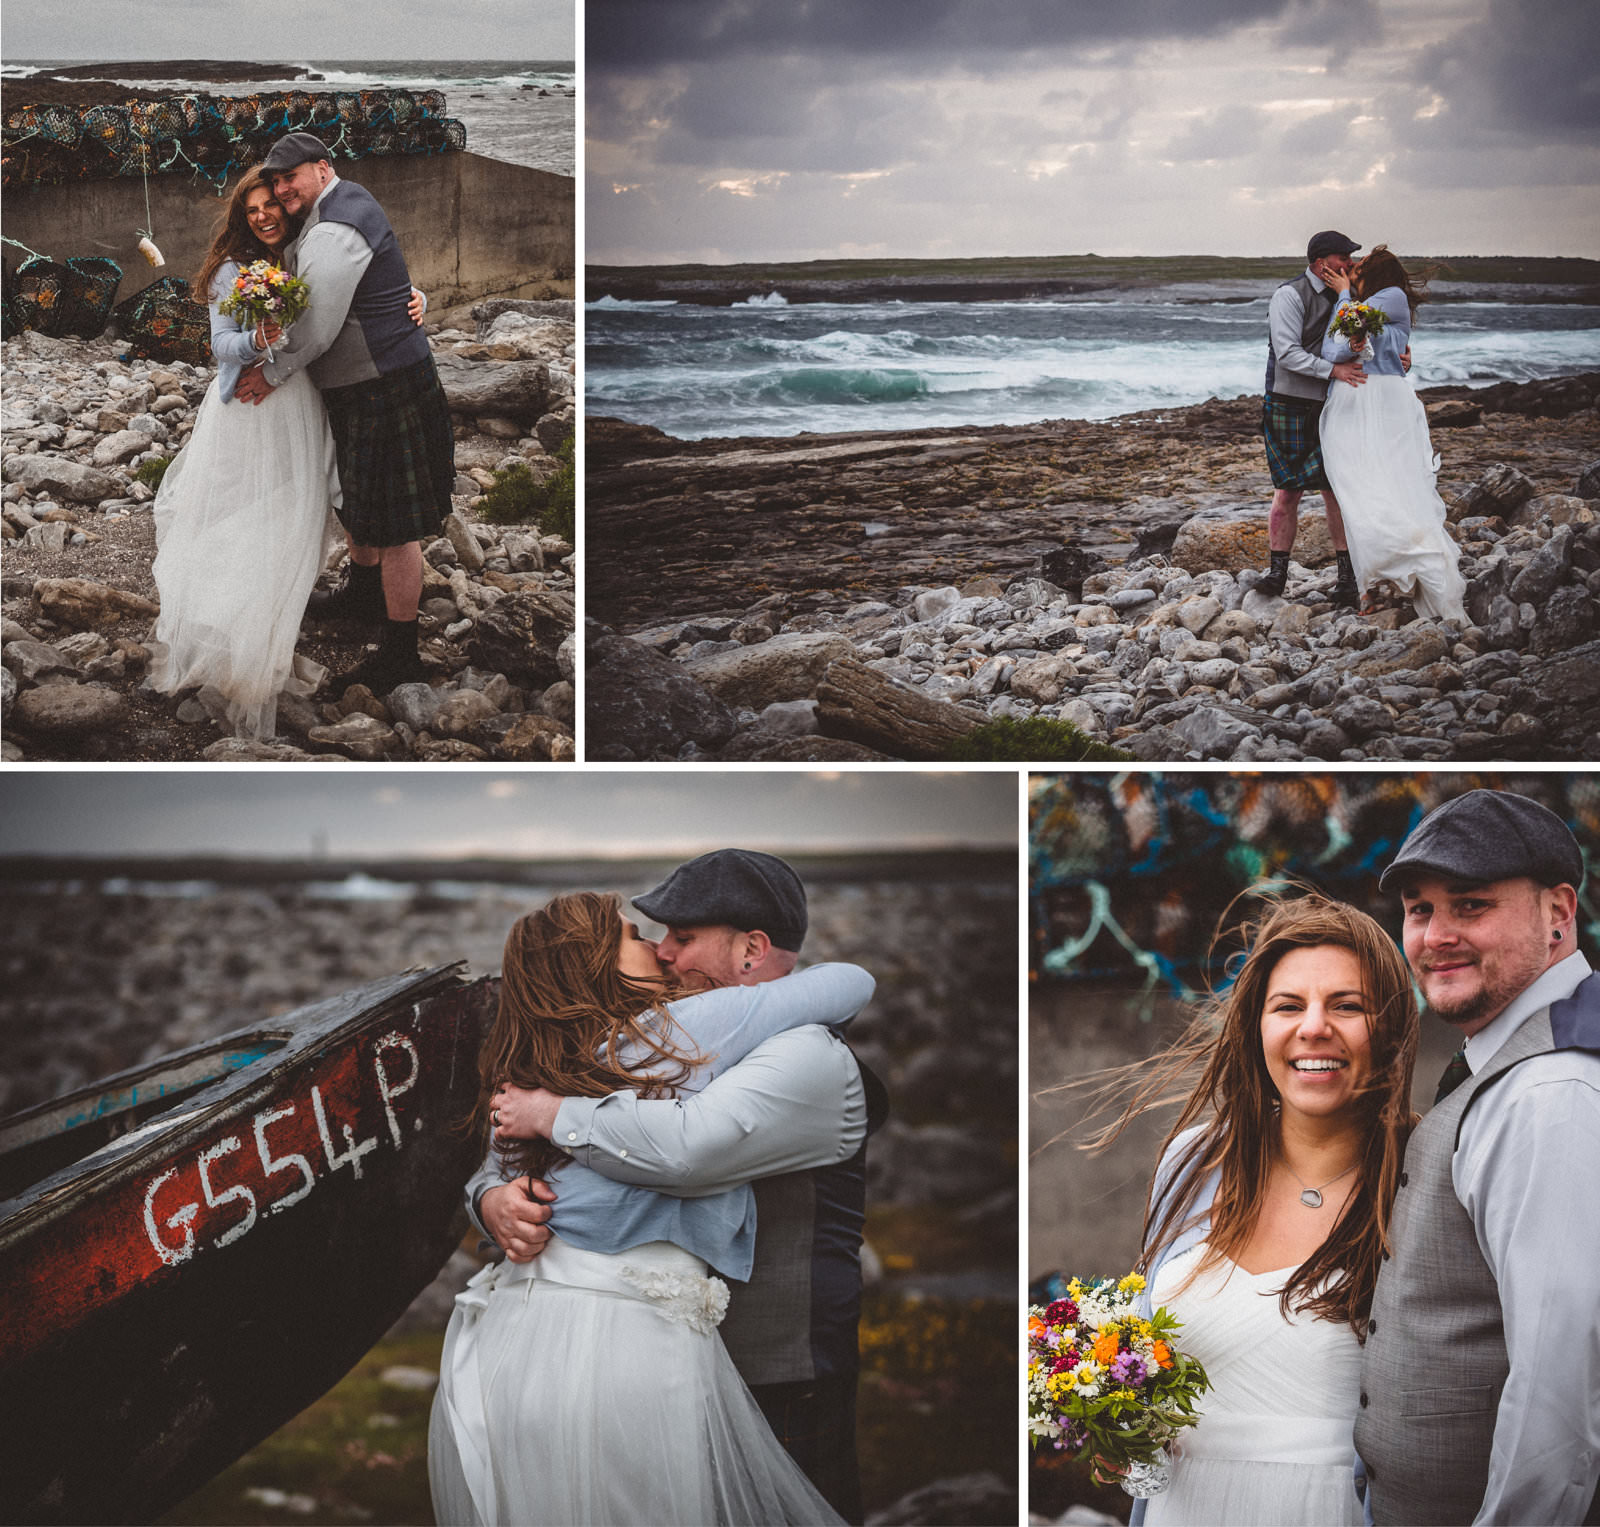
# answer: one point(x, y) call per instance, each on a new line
point(1128, 1369)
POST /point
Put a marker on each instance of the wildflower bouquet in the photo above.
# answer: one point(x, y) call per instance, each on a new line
point(263, 290)
point(1358, 321)
point(1106, 1383)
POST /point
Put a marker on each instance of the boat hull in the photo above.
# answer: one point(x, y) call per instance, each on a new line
point(175, 1299)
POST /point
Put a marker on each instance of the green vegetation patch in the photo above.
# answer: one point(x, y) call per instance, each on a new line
point(1038, 739)
point(520, 498)
point(150, 473)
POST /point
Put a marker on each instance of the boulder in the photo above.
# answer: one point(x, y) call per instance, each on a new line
point(510, 389)
point(85, 605)
point(358, 736)
point(69, 708)
point(787, 667)
point(638, 704)
point(531, 739)
point(1233, 540)
point(1559, 508)
point(522, 635)
point(39, 473)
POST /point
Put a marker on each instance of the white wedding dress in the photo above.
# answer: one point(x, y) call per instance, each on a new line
point(585, 1387)
point(1382, 467)
point(1273, 1447)
point(243, 519)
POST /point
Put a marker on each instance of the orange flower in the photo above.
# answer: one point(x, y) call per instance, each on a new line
point(1163, 1354)
point(1035, 1326)
point(1106, 1347)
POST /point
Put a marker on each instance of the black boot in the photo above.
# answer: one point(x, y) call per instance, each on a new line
point(395, 662)
point(1272, 582)
point(1345, 591)
point(358, 597)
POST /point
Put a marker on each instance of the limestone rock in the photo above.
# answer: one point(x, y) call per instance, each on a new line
point(69, 708)
point(39, 473)
point(1235, 540)
point(84, 604)
point(521, 637)
point(785, 668)
point(639, 704)
point(512, 389)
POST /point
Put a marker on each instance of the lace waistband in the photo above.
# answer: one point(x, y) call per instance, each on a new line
point(674, 1282)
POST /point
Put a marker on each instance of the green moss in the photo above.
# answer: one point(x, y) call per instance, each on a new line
point(519, 498)
point(150, 473)
point(1038, 739)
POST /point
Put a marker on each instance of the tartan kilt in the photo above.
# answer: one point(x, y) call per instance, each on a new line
point(1294, 442)
point(396, 455)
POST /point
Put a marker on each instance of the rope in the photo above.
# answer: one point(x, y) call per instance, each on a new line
point(17, 244)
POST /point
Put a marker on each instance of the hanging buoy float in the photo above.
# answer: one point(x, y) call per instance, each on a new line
point(148, 249)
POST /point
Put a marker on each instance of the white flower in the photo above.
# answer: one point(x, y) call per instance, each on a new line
point(699, 1303)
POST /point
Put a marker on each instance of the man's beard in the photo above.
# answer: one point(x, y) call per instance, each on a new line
point(1491, 998)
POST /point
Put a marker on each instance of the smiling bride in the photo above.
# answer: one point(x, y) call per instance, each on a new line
point(1265, 1225)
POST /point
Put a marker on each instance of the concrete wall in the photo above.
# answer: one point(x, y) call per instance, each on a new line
point(470, 227)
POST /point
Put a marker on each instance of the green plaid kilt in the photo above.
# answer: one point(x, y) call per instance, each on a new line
point(396, 455)
point(1294, 444)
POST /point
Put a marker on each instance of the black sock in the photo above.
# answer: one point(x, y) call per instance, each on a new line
point(400, 637)
point(366, 578)
point(1347, 571)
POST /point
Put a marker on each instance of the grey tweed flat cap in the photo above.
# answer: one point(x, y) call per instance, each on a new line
point(736, 887)
point(1490, 835)
point(293, 149)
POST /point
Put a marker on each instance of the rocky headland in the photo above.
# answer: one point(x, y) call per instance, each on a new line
point(79, 602)
point(880, 595)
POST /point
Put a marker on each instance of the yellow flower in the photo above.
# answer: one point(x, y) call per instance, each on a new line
point(1132, 1284)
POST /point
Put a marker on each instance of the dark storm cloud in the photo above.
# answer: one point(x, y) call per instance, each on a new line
point(1531, 69)
point(644, 34)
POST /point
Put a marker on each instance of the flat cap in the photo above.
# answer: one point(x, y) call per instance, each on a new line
point(1329, 242)
point(295, 148)
point(1490, 835)
point(736, 887)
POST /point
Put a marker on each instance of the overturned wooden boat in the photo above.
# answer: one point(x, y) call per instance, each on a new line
point(192, 1251)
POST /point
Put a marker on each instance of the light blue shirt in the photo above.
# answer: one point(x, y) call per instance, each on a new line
point(232, 344)
point(1380, 356)
point(598, 1214)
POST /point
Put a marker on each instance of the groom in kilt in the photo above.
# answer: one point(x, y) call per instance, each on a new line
point(1297, 384)
point(386, 408)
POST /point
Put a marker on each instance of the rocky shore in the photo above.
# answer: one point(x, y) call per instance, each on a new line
point(79, 603)
point(878, 596)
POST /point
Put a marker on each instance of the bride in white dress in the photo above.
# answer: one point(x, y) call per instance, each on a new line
point(1378, 454)
point(1265, 1226)
point(590, 1386)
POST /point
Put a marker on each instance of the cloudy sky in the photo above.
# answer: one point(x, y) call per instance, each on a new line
point(734, 130)
point(540, 814)
point(96, 30)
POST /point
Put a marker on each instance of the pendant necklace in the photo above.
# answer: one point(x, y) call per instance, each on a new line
point(1312, 1197)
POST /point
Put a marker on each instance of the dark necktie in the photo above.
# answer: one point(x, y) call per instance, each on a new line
point(1454, 1075)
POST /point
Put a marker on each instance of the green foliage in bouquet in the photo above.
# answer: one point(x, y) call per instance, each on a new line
point(1037, 739)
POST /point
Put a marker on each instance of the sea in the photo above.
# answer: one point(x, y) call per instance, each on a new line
point(519, 111)
point(765, 366)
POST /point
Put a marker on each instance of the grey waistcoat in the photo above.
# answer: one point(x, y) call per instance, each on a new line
point(1435, 1359)
point(1316, 308)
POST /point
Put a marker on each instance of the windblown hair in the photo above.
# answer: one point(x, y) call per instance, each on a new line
point(1382, 268)
point(565, 1011)
point(232, 238)
point(1237, 1108)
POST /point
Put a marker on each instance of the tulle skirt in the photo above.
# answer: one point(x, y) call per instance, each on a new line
point(1382, 467)
point(243, 519)
point(587, 1389)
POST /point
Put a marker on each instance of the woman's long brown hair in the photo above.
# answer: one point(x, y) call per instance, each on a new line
point(565, 1011)
point(1237, 1108)
point(1382, 268)
point(232, 237)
